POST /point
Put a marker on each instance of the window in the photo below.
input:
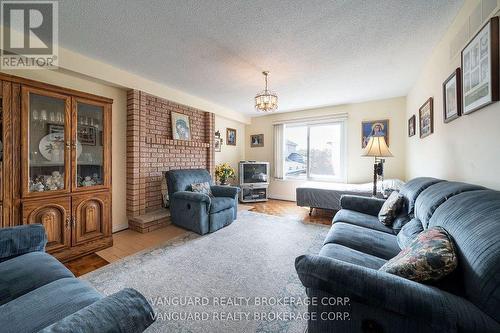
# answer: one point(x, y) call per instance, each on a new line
point(315, 151)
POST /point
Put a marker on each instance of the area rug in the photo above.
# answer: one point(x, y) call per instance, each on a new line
point(239, 279)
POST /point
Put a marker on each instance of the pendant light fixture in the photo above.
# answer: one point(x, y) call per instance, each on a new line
point(266, 101)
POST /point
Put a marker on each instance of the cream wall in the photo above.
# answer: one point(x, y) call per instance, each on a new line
point(119, 129)
point(465, 149)
point(230, 154)
point(359, 169)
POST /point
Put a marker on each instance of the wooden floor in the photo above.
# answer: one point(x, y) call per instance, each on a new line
point(128, 242)
point(291, 210)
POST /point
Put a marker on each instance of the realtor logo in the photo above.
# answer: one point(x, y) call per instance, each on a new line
point(29, 35)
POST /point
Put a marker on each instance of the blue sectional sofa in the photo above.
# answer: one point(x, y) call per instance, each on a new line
point(357, 245)
point(199, 212)
point(37, 293)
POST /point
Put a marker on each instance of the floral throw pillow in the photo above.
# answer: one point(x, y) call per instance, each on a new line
point(430, 257)
point(390, 209)
point(202, 188)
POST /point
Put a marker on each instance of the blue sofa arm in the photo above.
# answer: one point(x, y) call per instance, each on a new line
point(393, 294)
point(19, 240)
point(224, 191)
point(365, 205)
point(127, 311)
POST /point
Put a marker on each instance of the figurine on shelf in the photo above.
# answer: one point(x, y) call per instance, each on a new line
point(88, 181)
point(57, 180)
point(39, 187)
point(96, 179)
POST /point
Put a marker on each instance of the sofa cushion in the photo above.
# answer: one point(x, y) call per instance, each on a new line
point(221, 203)
point(412, 189)
point(360, 219)
point(433, 196)
point(21, 239)
point(27, 272)
point(390, 209)
point(429, 257)
point(373, 242)
point(400, 221)
point(44, 306)
point(352, 256)
point(473, 220)
point(409, 232)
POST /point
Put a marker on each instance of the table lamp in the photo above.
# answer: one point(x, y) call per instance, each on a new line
point(377, 147)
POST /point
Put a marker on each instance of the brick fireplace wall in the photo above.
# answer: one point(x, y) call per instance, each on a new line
point(151, 149)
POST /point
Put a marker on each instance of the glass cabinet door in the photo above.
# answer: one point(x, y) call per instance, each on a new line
point(46, 142)
point(89, 144)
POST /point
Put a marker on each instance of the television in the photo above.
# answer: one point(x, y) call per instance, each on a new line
point(253, 172)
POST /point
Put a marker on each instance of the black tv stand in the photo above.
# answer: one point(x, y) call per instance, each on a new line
point(253, 193)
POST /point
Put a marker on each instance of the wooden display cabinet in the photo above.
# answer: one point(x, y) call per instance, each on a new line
point(58, 166)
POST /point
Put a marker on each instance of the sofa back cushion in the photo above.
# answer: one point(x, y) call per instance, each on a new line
point(473, 220)
point(433, 196)
point(411, 190)
point(409, 232)
point(181, 180)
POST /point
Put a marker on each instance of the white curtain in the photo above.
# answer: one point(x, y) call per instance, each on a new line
point(279, 133)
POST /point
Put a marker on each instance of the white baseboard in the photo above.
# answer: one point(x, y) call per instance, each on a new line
point(282, 197)
point(119, 227)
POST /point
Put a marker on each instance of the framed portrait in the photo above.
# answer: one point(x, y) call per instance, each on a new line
point(181, 128)
point(230, 136)
point(480, 68)
point(374, 128)
point(257, 140)
point(412, 126)
point(452, 100)
point(87, 135)
point(426, 118)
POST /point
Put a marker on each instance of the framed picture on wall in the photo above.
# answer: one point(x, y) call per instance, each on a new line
point(231, 137)
point(480, 68)
point(218, 145)
point(412, 125)
point(426, 118)
point(452, 100)
point(181, 128)
point(374, 128)
point(217, 142)
point(257, 140)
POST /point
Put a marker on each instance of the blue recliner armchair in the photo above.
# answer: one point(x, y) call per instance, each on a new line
point(197, 211)
point(37, 293)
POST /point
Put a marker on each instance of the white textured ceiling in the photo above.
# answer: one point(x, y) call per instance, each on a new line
point(319, 52)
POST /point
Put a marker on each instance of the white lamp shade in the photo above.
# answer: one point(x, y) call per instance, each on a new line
point(377, 147)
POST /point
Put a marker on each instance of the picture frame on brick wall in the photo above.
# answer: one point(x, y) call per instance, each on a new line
point(181, 126)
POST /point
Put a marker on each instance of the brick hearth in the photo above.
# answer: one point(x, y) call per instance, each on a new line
point(152, 151)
